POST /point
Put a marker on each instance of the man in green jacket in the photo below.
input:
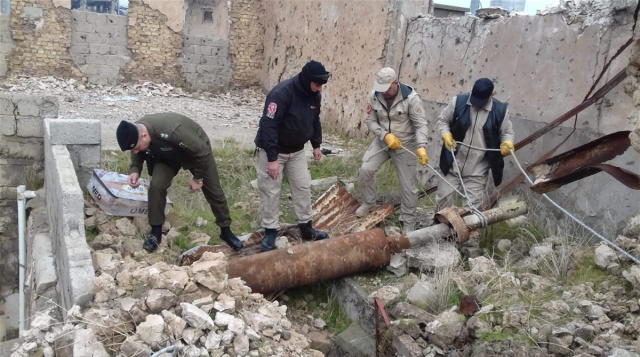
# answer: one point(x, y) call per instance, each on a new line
point(170, 142)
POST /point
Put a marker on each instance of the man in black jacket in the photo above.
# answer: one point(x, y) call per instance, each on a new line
point(291, 117)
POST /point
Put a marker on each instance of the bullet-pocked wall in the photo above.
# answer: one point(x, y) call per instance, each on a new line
point(542, 66)
point(351, 38)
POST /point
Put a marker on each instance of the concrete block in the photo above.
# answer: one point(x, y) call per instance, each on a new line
point(27, 106)
point(79, 59)
point(42, 256)
point(96, 19)
point(204, 68)
point(100, 49)
point(118, 21)
point(85, 27)
point(356, 342)
point(29, 127)
point(79, 15)
point(202, 50)
point(354, 301)
point(192, 40)
point(89, 69)
point(191, 59)
point(189, 67)
point(106, 28)
point(6, 105)
point(92, 37)
point(120, 51)
point(110, 71)
point(22, 148)
point(84, 156)
point(6, 48)
point(73, 131)
point(80, 48)
point(188, 49)
point(7, 125)
point(78, 37)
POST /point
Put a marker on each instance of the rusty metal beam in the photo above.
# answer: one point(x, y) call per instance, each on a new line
point(584, 161)
point(332, 258)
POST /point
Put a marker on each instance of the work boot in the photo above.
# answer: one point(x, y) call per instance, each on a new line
point(269, 240)
point(228, 237)
point(364, 209)
point(152, 243)
point(310, 233)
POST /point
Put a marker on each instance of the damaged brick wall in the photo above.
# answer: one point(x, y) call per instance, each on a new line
point(99, 45)
point(205, 63)
point(42, 36)
point(154, 44)
point(21, 163)
point(6, 43)
point(246, 40)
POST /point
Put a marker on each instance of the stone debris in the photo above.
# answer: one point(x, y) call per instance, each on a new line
point(166, 305)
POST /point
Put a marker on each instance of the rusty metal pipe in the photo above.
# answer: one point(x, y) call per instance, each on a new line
point(436, 232)
point(332, 258)
point(309, 263)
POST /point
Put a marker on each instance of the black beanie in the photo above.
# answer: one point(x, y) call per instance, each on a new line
point(127, 135)
point(312, 70)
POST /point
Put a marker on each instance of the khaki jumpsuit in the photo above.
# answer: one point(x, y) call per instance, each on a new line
point(406, 119)
point(179, 142)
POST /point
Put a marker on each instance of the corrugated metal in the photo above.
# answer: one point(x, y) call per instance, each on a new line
point(334, 213)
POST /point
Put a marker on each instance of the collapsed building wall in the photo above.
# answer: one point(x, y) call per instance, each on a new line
point(6, 42)
point(41, 32)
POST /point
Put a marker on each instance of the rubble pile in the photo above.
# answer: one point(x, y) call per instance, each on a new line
point(65, 87)
point(524, 307)
point(141, 307)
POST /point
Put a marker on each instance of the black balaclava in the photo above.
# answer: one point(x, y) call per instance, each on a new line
point(310, 73)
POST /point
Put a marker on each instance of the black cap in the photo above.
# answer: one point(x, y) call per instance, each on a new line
point(482, 91)
point(315, 72)
point(127, 134)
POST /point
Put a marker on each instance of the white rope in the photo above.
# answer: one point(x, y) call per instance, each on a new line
point(602, 238)
point(483, 220)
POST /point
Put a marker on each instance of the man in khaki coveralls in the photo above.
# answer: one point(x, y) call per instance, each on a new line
point(291, 117)
point(396, 117)
point(169, 142)
point(479, 120)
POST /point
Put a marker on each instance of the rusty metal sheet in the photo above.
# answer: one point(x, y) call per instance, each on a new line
point(582, 162)
point(309, 263)
point(334, 212)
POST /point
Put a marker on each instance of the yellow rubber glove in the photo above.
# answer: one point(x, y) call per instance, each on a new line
point(421, 153)
point(449, 143)
point(505, 147)
point(392, 142)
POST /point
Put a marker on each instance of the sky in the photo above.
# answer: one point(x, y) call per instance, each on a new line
point(530, 6)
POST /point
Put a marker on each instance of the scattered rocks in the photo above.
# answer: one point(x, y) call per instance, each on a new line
point(605, 256)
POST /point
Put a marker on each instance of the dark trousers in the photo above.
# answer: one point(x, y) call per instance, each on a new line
point(163, 174)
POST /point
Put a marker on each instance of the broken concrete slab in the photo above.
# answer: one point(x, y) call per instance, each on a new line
point(356, 341)
point(429, 258)
point(42, 256)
